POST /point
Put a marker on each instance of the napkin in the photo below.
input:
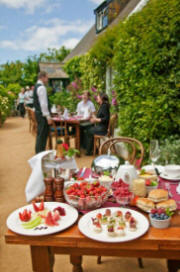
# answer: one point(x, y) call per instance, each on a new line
point(35, 184)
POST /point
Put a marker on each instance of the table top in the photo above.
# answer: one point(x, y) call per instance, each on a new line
point(161, 238)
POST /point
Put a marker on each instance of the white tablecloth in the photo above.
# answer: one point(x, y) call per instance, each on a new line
point(35, 184)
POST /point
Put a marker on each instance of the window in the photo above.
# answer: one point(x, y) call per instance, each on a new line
point(102, 19)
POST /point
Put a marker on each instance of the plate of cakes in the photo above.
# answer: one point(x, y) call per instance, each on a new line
point(113, 225)
point(157, 198)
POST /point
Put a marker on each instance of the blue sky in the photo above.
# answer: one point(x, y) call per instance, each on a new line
point(28, 27)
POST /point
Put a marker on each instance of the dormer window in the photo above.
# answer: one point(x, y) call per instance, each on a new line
point(107, 12)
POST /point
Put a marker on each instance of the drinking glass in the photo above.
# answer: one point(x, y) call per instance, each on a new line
point(154, 151)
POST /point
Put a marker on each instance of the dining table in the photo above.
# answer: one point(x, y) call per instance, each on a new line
point(156, 243)
point(73, 121)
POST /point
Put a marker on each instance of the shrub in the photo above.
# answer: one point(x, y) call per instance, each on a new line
point(146, 60)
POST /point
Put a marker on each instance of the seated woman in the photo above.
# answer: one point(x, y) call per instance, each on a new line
point(101, 122)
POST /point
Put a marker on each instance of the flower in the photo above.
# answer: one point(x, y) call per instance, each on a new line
point(74, 84)
point(78, 96)
point(94, 89)
point(66, 146)
point(114, 102)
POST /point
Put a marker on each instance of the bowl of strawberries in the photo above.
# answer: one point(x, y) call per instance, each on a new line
point(85, 195)
point(121, 192)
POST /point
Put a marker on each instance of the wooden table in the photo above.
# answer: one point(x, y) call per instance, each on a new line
point(156, 243)
point(74, 123)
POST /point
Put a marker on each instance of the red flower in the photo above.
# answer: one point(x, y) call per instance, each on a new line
point(66, 147)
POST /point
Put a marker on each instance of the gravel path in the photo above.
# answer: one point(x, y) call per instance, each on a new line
point(16, 147)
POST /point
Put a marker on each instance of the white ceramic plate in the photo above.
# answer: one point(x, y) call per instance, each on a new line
point(166, 176)
point(150, 168)
point(13, 222)
point(85, 226)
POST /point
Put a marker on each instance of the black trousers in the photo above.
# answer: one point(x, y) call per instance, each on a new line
point(22, 109)
point(89, 134)
point(42, 133)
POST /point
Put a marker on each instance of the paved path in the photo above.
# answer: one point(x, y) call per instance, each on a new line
point(16, 147)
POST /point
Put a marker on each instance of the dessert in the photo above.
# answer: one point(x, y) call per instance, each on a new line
point(145, 204)
point(111, 230)
point(96, 225)
point(139, 187)
point(120, 230)
point(127, 216)
point(170, 204)
point(132, 224)
point(118, 224)
point(158, 195)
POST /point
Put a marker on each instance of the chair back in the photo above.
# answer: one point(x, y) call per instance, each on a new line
point(134, 146)
point(34, 122)
point(112, 125)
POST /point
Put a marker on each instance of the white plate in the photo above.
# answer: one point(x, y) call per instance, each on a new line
point(13, 222)
point(166, 176)
point(150, 168)
point(85, 226)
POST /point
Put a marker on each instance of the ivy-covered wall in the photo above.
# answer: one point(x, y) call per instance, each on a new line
point(144, 51)
point(147, 62)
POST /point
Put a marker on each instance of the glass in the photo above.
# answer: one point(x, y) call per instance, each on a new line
point(154, 151)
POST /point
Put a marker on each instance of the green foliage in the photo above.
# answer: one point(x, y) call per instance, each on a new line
point(54, 55)
point(72, 68)
point(6, 101)
point(170, 150)
point(146, 60)
point(65, 99)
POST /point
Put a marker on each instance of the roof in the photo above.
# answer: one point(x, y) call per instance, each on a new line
point(90, 37)
point(54, 70)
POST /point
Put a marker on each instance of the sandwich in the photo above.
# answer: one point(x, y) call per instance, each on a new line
point(158, 195)
point(168, 204)
point(145, 204)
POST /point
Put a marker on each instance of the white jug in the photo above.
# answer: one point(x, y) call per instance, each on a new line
point(127, 173)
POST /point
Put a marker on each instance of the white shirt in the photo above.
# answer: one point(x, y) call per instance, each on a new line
point(21, 97)
point(29, 97)
point(42, 95)
point(85, 109)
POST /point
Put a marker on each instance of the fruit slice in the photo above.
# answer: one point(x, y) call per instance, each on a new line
point(33, 223)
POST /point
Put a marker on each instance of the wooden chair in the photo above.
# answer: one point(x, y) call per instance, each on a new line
point(110, 133)
point(28, 110)
point(33, 120)
point(57, 131)
point(134, 146)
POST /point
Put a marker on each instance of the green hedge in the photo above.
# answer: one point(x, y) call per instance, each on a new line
point(147, 62)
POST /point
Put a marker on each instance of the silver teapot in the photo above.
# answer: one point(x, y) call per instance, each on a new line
point(105, 164)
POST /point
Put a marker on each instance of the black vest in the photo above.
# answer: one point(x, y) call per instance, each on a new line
point(36, 100)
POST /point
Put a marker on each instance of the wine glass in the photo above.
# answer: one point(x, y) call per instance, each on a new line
point(154, 151)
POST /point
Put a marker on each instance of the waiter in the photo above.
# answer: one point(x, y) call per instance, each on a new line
point(42, 111)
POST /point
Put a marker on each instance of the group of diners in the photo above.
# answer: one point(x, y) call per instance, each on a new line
point(95, 122)
point(25, 99)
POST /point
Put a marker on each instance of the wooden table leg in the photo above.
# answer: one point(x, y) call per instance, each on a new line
point(173, 265)
point(76, 261)
point(42, 259)
point(78, 137)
